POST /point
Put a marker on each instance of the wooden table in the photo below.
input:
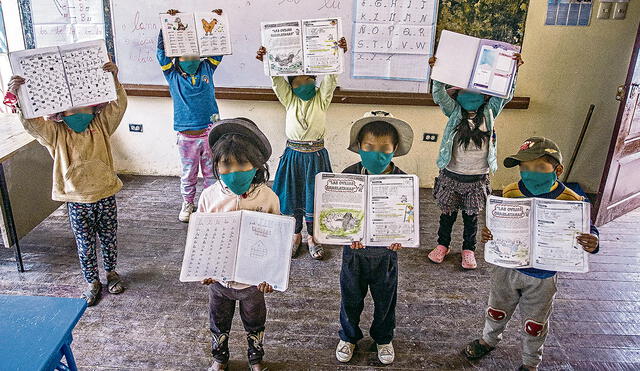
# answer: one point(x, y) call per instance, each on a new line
point(13, 137)
point(36, 332)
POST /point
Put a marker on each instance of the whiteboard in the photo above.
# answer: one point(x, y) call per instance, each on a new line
point(136, 28)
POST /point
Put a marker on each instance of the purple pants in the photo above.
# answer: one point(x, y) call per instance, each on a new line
point(195, 155)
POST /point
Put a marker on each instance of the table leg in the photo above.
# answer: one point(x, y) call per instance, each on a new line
point(71, 362)
point(8, 218)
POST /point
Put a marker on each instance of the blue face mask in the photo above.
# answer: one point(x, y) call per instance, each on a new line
point(306, 91)
point(375, 162)
point(239, 182)
point(470, 101)
point(190, 67)
point(78, 122)
point(538, 183)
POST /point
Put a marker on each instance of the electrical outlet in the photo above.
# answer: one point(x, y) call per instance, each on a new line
point(604, 11)
point(619, 11)
point(136, 128)
point(429, 137)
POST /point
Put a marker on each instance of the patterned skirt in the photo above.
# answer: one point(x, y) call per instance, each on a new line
point(455, 192)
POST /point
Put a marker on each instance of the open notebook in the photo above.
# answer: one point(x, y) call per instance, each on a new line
point(62, 77)
point(200, 33)
point(241, 246)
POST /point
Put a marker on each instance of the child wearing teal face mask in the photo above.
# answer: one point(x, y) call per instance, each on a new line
point(533, 290)
point(84, 177)
point(466, 158)
point(195, 110)
point(240, 152)
point(377, 138)
point(305, 156)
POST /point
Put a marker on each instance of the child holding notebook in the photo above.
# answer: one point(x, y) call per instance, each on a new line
point(240, 152)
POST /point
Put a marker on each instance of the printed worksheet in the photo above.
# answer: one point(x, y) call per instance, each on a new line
point(61, 78)
point(242, 246)
point(538, 233)
point(377, 210)
point(307, 47)
point(485, 66)
point(200, 33)
point(322, 54)
point(213, 33)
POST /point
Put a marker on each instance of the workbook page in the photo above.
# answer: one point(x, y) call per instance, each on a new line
point(264, 249)
point(213, 33)
point(456, 55)
point(322, 55)
point(494, 68)
point(210, 251)
point(179, 34)
point(283, 41)
point(557, 225)
point(392, 215)
point(339, 209)
point(509, 220)
point(88, 83)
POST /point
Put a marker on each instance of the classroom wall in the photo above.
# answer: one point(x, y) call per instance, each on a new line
point(566, 69)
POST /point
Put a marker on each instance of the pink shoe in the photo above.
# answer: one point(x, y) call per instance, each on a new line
point(469, 259)
point(437, 255)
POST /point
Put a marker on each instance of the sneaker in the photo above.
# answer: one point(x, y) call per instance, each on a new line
point(386, 355)
point(297, 241)
point(344, 351)
point(437, 255)
point(469, 259)
point(185, 213)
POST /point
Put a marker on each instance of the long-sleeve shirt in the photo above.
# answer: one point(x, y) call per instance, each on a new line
point(305, 120)
point(453, 111)
point(218, 199)
point(83, 168)
point(558, 192)
point(194, 99)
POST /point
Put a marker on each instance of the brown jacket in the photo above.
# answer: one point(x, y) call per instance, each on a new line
point(82, 162)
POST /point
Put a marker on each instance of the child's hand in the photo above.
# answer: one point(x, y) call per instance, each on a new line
point(173, 12)
point(357, 245)
point(432, 61)
point(217, 11)
point(342, 43)
point(265, 288)
point(261, 53)
point(15, 83)
point(395, 246)
point(486, 235)
point(588, 241)
point(518, 58)
point(208, 281)
point(111, 67)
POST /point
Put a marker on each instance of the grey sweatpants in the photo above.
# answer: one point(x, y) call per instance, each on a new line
point(509, 289)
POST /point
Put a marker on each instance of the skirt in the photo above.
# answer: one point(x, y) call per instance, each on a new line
point(455, 192)
point(296, 176)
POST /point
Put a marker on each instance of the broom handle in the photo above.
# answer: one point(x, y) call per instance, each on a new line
point(579, 144)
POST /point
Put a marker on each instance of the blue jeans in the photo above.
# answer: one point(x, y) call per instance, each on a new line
point(375, 269)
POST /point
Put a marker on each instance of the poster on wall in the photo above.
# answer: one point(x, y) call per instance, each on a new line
point(568, 12)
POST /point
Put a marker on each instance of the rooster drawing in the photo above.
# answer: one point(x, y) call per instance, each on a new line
point(209, 26)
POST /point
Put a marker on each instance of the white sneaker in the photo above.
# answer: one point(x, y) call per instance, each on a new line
point(185, 213)
point(386, 355)
point(344, 351)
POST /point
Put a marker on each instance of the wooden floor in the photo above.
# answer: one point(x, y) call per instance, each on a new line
point(160, 323)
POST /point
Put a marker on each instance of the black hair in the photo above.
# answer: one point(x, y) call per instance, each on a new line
point(380, 129)
point(464, 134)
point(242, 149)
point(551, 160)
point(290, 78)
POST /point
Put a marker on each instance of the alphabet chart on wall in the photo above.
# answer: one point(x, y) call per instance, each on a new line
point(58, 22)
point(61, 78)
point(241, 246)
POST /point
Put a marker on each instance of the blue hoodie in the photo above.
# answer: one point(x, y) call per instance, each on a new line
point(194, 100)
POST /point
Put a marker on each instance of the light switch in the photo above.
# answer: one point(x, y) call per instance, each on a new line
point(620, 10)
point(604, 11)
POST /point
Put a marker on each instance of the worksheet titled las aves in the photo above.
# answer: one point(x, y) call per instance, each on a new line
point(240, 246)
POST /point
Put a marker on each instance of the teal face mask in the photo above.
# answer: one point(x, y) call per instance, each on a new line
point(239, 182)
point(470, 101)
point(190, 67)
point(78, 122)
point(538, 183)
point(375, 162)
point(306, 91)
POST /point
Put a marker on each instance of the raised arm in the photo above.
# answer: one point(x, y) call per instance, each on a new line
point(45, 132)
point(326, 90)
point(283, 90)
point(496, 104)
point(111, 116)
point(166, 63)
point(447, 104)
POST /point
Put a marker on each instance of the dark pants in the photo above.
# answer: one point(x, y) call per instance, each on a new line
point(299, 218)
point(253, 312)
point(374, 268)
point(469, 232)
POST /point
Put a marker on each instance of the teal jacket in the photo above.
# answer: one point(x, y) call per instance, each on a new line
point(453, 111)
